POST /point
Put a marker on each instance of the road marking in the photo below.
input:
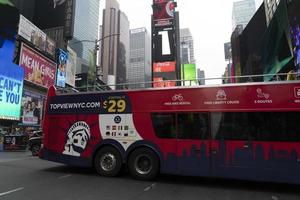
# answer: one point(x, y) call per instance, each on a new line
point(65, 176)
point(11, 191)
point(14, 159)
point(149, 187)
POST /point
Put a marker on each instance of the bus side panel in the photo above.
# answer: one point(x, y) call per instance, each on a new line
point(261, 161)
point(167, 147)
point(71, 136)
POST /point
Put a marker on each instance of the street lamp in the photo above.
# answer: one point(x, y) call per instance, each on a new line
point(96, 48)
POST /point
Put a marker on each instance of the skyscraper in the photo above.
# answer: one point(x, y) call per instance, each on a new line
point(115, 44)
point(242, 12)
point(123, 52)
point(139, 69)
point(186, 47)
point(85, 28)
point(109, 45)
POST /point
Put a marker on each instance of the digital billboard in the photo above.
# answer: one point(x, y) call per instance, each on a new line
point(32, 107)
point(164, 67)
point(294, 22)
point(164, 44)
point(164, 52)
point(38, 69)
point(62, 58)
point(163, 12)
point(32, 33)
point(188, 73)
point(11, 82)
point(71, 67)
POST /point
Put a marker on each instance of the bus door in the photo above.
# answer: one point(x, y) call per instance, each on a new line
point(231, 147)
point(193, 144)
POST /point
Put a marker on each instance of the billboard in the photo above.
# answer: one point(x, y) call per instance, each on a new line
point(32, 107)
point(71, 67)
point(56, 13)
point(32, 33)
point(164, 67)
point(38, 69)
point(188, 73)
point(164, 43)
point(163, 12)
point(62, 58)
point(294, 26)
point(11, 82)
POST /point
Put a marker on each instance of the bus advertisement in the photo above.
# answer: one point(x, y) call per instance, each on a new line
point(237, 131)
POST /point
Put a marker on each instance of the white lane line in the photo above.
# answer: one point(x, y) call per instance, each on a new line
point(11, 191)
point(65, 176)
point(149, 187)
point(15, 159)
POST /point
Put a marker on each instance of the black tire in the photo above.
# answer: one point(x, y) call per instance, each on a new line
point(35, 149)
point(143, 164)
point(108, 162)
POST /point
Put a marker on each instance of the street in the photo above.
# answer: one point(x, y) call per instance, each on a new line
point(24, 177)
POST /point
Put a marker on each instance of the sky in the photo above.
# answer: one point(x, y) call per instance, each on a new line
point(208, 20)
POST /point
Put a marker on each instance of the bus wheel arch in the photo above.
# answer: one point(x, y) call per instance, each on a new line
point(143, 163)
point(108, 161)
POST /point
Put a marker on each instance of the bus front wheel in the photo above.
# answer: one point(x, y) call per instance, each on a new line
point(143, 164)
point(108, 161)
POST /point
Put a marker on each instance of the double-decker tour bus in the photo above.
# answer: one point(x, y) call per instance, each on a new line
point(238, 131)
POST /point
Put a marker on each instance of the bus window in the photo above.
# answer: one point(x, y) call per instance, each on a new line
point(275, 126)
point(193, 126)
point(230, 126)
point(164, 125)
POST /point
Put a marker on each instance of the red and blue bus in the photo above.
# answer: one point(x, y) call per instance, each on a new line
point(238, 131)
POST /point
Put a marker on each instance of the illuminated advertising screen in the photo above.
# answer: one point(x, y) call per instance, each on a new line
point(163, 12)
point(32, 33)
point(164, 79)
point(62, 58)
point(164, 44)
point(188, 73)
point(294, 22)
point(38, 69)
point(71, 67)
point(164, 67)
point(11, 82)
point(32, 107)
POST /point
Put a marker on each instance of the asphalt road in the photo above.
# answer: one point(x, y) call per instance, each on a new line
point(23, 177)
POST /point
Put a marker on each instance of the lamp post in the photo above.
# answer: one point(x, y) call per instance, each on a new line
point(96, 48)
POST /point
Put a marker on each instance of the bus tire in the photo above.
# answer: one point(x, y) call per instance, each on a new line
point(108, 161)
point(143, 164)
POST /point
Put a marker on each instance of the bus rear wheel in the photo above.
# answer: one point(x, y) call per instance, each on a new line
point(143, 164)
point(108, 162)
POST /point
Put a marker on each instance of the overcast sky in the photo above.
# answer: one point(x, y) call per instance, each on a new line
point(208, 20)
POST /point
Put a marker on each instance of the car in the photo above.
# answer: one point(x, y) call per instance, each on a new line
point(35, 142)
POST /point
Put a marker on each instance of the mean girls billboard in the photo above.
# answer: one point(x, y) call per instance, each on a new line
point(38, 69)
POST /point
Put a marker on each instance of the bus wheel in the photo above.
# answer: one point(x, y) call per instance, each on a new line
point(108, 162)
point(143, 164)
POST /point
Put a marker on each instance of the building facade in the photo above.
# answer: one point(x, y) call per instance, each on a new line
point(123, 51)
point(242, 12)
point(139, 69)
point(186, 47)
point(115, 44)
point(86, 25)
point(109, 45)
